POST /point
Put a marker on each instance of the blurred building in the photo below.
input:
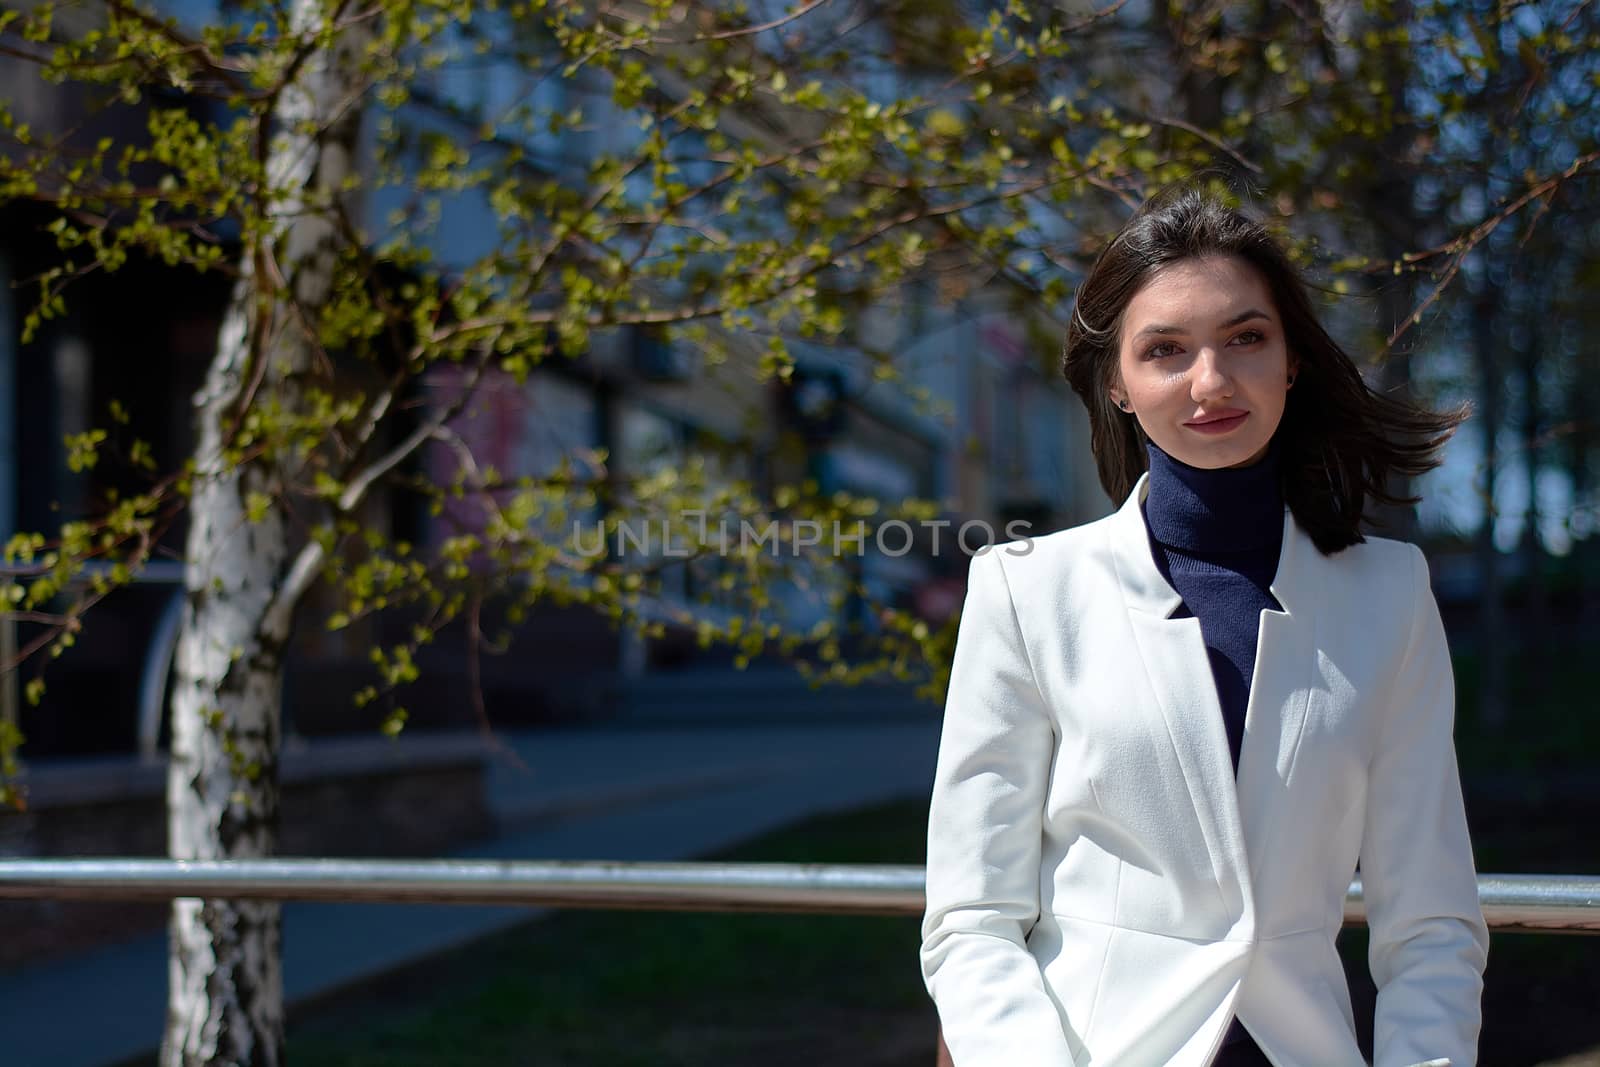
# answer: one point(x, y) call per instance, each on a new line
point(982, 424)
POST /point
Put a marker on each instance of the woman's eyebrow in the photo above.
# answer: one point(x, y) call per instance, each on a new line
point(1243, 316)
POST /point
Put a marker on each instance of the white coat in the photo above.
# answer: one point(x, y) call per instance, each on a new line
point(1102, 891)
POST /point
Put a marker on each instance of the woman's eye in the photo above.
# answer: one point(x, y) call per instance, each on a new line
point(1249, 337)
point(1157, 351)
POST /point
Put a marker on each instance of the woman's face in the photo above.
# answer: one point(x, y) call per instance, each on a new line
point(1202, 362)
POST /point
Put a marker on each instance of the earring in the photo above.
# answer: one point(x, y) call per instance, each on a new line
point(1123, 404)
point(1291, 379)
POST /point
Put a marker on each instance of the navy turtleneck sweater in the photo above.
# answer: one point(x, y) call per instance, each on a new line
point(1215, 536)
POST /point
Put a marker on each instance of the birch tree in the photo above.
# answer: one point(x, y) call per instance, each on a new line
point(243, 576)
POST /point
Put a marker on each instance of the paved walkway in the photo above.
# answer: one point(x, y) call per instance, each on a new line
point(627, 793)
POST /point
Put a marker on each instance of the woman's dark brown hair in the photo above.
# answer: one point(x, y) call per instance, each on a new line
point(1340, 443)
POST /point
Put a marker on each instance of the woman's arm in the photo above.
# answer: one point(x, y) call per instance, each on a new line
point(984, 827)
point(1429, 942)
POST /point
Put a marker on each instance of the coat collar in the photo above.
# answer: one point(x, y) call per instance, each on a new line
point(1238, 814)
point(1147, 591)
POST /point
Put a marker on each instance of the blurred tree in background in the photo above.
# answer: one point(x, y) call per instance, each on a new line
point(747, 176)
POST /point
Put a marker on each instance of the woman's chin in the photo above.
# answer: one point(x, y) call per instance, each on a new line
point(1214, 455)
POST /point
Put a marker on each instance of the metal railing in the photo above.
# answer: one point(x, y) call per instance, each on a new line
point(1542, 903)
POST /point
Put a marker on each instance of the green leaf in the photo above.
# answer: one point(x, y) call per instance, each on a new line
point(256, 506)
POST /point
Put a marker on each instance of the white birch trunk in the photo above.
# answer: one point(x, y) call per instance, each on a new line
point(225, 998)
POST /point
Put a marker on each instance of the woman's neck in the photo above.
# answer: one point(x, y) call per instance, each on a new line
point(1229, 509)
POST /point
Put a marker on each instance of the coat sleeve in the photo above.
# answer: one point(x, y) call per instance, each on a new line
point(984, 830)
point(1429, 942)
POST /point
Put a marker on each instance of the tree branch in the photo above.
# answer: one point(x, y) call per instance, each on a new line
point(1210, 139)
point(1464, 245)
point(310, 558)
point(748, 31)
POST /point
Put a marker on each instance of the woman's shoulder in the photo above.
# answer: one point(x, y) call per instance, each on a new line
point(1030, 557)
point(1381, 559)
point(1380, 577)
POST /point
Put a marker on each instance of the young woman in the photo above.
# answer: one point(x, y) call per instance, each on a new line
point(1171, 734)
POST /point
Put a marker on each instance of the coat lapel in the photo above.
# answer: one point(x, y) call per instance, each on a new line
point(1280, 692)
point(1236, 816)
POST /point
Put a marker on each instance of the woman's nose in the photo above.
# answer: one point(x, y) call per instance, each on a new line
point(1208, 380)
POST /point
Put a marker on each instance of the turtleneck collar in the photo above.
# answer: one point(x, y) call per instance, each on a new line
point(1231, 509)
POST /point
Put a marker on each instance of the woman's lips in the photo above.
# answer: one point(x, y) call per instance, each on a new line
point(1219, 425)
